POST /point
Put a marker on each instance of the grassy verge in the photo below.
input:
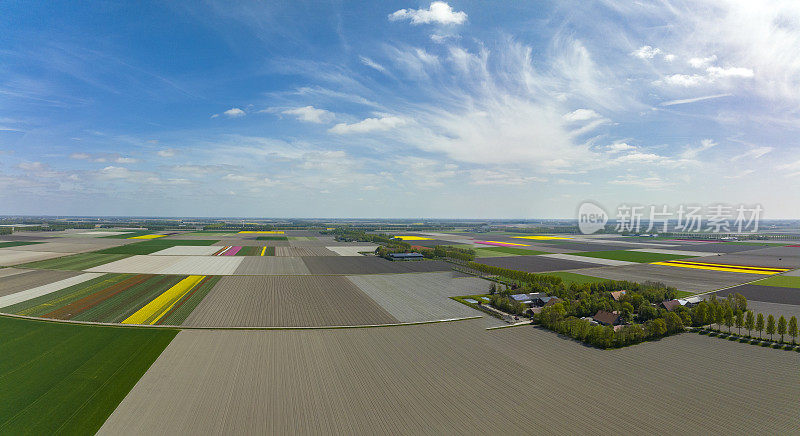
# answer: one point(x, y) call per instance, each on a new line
point(780, 281)
point(17, 243)
point(68, 378)
point(149, 247)
point(504, 251)
point(570, 278)
point(75, 262)
point(631, 256)
point(683, 294)
point(128, 234)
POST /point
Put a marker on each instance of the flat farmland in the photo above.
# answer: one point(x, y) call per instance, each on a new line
point(633, 256)
point(64, 247)
point(66, 378)
point(685, 279)
point(155, 245)
point(271, 265)
point(23, 280)
point(76, 262)
point(187, 250)
point(8, 302)
point(370, 265)
point(443, 379)
point(10, 256)
point(251, 242)
point(748, 259)
point(535, 263)
point(504, 252)
point(297, 301)
point(776, 309)
point(184, 265)
point(718, 247)
point(352, 250)
point(303, 251)
point(7, 244)
point(769, 294)
point(595, 260)
point(7, 272)
point(421, 296)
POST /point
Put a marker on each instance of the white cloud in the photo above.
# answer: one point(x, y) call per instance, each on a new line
point(753, 153)
point(694, 100)
point(166, 152)
point(692, 152)
point(502, 177)
point(702, 62)
point(581, 115)
point(83, 156)
point(234, 112)
point(437, 13)
point(369, 125)
point(646, 52)
point(126, 160)
point(372, 64)
point(310, 114)
point(684, 80)
point(649, 182)
point(619, 147)
point(730, 72)
point(669, 57)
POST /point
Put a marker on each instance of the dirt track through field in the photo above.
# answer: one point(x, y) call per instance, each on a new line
point(287, 301)
point(456, 378)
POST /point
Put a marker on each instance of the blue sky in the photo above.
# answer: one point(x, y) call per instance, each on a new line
point(397, 109)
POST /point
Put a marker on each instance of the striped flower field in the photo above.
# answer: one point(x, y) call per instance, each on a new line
point(118, 298)
point(245, 251)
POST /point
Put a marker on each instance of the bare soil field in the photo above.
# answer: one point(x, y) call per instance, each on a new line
point(45, 289)
point(10, 257)
point(421, 296)
point(777, 309)
point(685, 279)
point(187, 250)
point(259, 301)
point(718, 247)
point(271, 265)
point(303, 251)
point(595, 260)
point(353, 250)
point(769, 294)
point(370, 265)
point(183, 265)
point(63, 247)
point(6, 272)
point(447, 379)
point(535, 263)
point(31, 279)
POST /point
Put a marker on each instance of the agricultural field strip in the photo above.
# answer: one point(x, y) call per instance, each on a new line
point(685, 279)
point(76, 262)
point(272, 265)
point(287, 301)
point(675, 252)
point(420, 296)
point(187, 250)
point(597, 260)
point(153, 311)
point(722, 267)
point(24, 279)
point(10, 257)
point(617, 242)
point(357, 382)
point(181, 265)
point(7, 272)
point(39, 291)
point(793, 273)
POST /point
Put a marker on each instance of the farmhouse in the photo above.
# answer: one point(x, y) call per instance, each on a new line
point(405, 256)
point(670, 305)
point(618, 294)
point(690, 302)
point(607, 318)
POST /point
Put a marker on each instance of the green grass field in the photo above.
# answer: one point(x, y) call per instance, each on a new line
point(780, 281)
point(504, 251)
point(631, 256)
point(149, 247)
point(61, 378)
point(75, 262)
point(129, 234)
point(570, 278)
point(683, 294)
point(272, 238)
point(17, 243)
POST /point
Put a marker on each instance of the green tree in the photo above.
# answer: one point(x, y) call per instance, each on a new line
point(749, 322)
point(739, 321)
point(770, 326)
point(793, 328)
point(781, 327)
point(760, 324)
point(673, 322)
point(728, 318)
point(719, 316)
